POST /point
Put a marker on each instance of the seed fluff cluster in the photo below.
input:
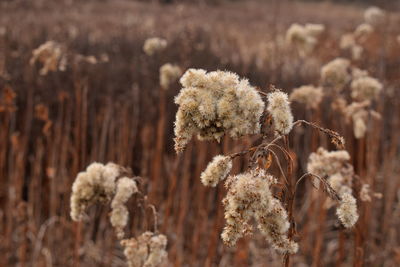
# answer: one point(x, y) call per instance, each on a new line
point(154, 45)
point(168, 74)
point(148, 250)
point(308, 95)
point(216, 171)
point(365, 88)
point(374, 16)
point(51, 55)
point(212, 104)
point(249, 196)
point(279, 108)
point(336, 73)
point(334, 166)
point(126, 187)
point(101, 184)
point(304, 38)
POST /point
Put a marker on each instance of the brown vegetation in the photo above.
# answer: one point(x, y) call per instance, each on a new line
point(107, 105)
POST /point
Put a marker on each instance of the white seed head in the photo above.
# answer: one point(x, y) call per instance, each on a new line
point(148, 250)
point(154, 45)
point(375, 16)
point(304, 38)
point(279, 108)
point(363, 31)
point(216, 171)
point(357, 113)
point(335, 73)
point(249, 196)
point(307, 95)
point(168, 74)
point(365, 88)
point(51, 55)
point(212, 104)
point(97, 184)
point(347, 210)
point(119, 213)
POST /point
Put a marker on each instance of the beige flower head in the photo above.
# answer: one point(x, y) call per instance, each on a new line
point(216, 171)
point(365, 88)
point(279, 108)
point(148, 250)
point(51, 55)
point(307, 95)
point(154, 45)
point(375, 16)
point(213, 104)
point(96, 184)
point(304, 38)
point(347, 210)
point(336, 73)
point(168, 74)
point(249, 196)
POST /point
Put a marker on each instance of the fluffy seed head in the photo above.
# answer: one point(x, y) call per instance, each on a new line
point(335, 73)
point(363, 31)
point(249, 196)
point(357, 113)
point(154, 45)
point(375, 16)
point(148, 250)
point(279, 108)
point(212, 104)
point(51, 55)
point(119, 213)
point(96, 184)
point(307, 95)
point(216, 171)
point(304, 38)
point(331, 165)
point(365, 88)
point(168, 74)
point(347, 210)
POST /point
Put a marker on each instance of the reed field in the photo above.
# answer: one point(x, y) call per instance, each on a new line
point(199, 133)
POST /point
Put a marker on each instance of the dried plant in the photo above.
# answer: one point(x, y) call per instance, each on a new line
point(109, 183)
point(212, 104)
point(308, 95)
point(304, 38)
point(154, 45)
point(168, 74)
point(250, 193)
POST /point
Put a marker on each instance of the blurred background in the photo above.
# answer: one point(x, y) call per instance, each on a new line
point(100, 99)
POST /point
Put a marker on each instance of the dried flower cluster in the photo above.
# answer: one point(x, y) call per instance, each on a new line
point(249, 196)
point(362, 31)
point(212, 104)
point(304, 38)
point(358, 113)
point(101, 184)
point(168, 74)
point(339, 173)
point(148, 250)
point(279, 108)
point(347, 210)
point(365, 88)
point(348, 42)
point(154, 45)
point(51, 55)
point(336, 73)
point(126, 187)
point(96, 184)
point(216, 171)
point(375, 16)
point(308, 95)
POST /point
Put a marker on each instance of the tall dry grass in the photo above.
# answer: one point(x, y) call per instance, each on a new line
point(55, 125)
